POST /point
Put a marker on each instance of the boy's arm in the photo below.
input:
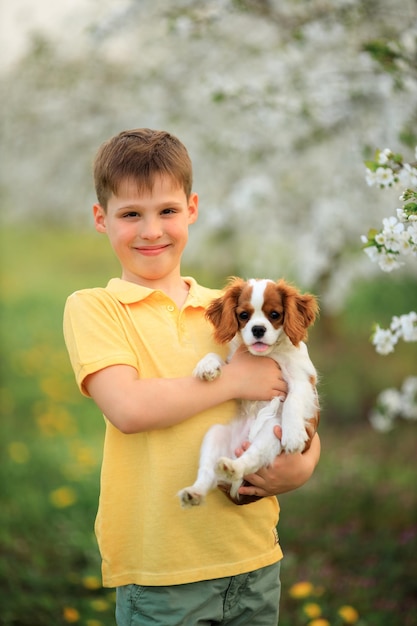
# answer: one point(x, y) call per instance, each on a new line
point(286, 473)
point(135, 405)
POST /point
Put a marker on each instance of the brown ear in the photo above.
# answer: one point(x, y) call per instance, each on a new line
point(300, 311)
point(222, 311)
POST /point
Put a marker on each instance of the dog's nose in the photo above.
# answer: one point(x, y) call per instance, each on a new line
point(258, 331)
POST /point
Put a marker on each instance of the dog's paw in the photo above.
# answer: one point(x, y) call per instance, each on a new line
point(225, 468)
point(188, 498)
point(294, 441)
point(209, 368)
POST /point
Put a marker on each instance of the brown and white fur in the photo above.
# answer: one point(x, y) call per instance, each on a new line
point(270, 319)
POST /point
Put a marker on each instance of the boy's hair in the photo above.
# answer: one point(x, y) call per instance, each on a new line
point(140, 155)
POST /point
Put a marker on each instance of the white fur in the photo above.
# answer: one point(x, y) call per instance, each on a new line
point(256, 419)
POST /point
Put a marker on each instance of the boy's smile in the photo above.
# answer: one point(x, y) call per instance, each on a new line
point(148, 230)
point(151, 250)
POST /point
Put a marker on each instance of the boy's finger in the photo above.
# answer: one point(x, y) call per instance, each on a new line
point(239, 451)
point(278, 432)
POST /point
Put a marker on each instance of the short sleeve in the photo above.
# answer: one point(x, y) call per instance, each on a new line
point(94, 334)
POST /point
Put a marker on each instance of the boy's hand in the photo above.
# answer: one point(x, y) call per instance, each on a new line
point(286, 473)
point(255, 378)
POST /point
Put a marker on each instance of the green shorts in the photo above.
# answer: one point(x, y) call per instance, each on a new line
point(251, 599)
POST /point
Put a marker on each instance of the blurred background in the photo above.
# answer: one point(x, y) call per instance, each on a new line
point(279, 103)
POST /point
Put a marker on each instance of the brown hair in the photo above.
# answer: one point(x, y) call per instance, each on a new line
point(140, 155)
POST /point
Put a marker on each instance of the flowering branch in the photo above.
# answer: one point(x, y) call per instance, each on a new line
point(403, 327)
point(397, 237)
point(399, 233)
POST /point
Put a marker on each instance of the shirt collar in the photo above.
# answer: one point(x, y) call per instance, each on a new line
point(128, 293)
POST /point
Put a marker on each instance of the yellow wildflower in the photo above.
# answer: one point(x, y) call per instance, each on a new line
point(311, 609)
point(91, 582)
point(63, 497)
point(84, 455)
point(348, 614)
point(70, 615)
point(94, 622)
point(301, 590)
point(54, 420)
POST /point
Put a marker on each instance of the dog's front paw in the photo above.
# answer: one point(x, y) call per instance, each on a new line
point(226, 468)
point(209, 368)
point(189, 497)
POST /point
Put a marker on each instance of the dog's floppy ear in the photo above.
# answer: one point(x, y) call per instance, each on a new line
point(300, 311)
point(222, 311)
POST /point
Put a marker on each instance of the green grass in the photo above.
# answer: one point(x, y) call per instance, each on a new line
point(51, 437)
point(353, 529)
point(351, 532)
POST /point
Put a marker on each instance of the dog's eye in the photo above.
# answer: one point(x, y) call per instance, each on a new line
point(243, 316)
point(274, 315)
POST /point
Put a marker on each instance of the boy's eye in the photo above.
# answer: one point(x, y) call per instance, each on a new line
point(168, 211)
point(131, 214)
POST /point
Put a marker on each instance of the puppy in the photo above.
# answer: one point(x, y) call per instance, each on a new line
point(270, 319)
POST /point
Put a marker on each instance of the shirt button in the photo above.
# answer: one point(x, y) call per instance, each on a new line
point(171, 308)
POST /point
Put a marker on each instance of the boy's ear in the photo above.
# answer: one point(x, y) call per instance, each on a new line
point(99, 218)
point(192, 208)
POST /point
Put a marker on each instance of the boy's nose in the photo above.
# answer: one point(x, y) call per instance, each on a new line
point(151, 229)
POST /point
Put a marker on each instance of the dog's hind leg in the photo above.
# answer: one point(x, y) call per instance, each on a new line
point(216, 442)
point(262, 451)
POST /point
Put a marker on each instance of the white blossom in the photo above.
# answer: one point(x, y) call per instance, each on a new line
point(401, 327)
point(391, 227)
point(389, 262)
point(412, 232)
point(372, 252)
point(370, 177)
point(384, 340)
point(407, 176)
point(392, 404)
point(391, 401)
point(384, 156)
point(405, 243)
point(381, 422)
point(398, 236)
point(384, 176)
point(405, 326)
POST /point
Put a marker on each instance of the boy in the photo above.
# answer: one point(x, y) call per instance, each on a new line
point(133, 347)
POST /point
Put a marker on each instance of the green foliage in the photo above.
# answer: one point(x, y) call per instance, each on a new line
point(352, 529)
point(383, 53)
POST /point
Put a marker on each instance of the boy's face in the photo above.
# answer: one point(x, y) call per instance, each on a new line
point(148, 230)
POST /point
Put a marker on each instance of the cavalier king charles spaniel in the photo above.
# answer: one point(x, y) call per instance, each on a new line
point(270, 319)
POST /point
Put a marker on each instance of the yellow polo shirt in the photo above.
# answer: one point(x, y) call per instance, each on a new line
point(144, 536)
